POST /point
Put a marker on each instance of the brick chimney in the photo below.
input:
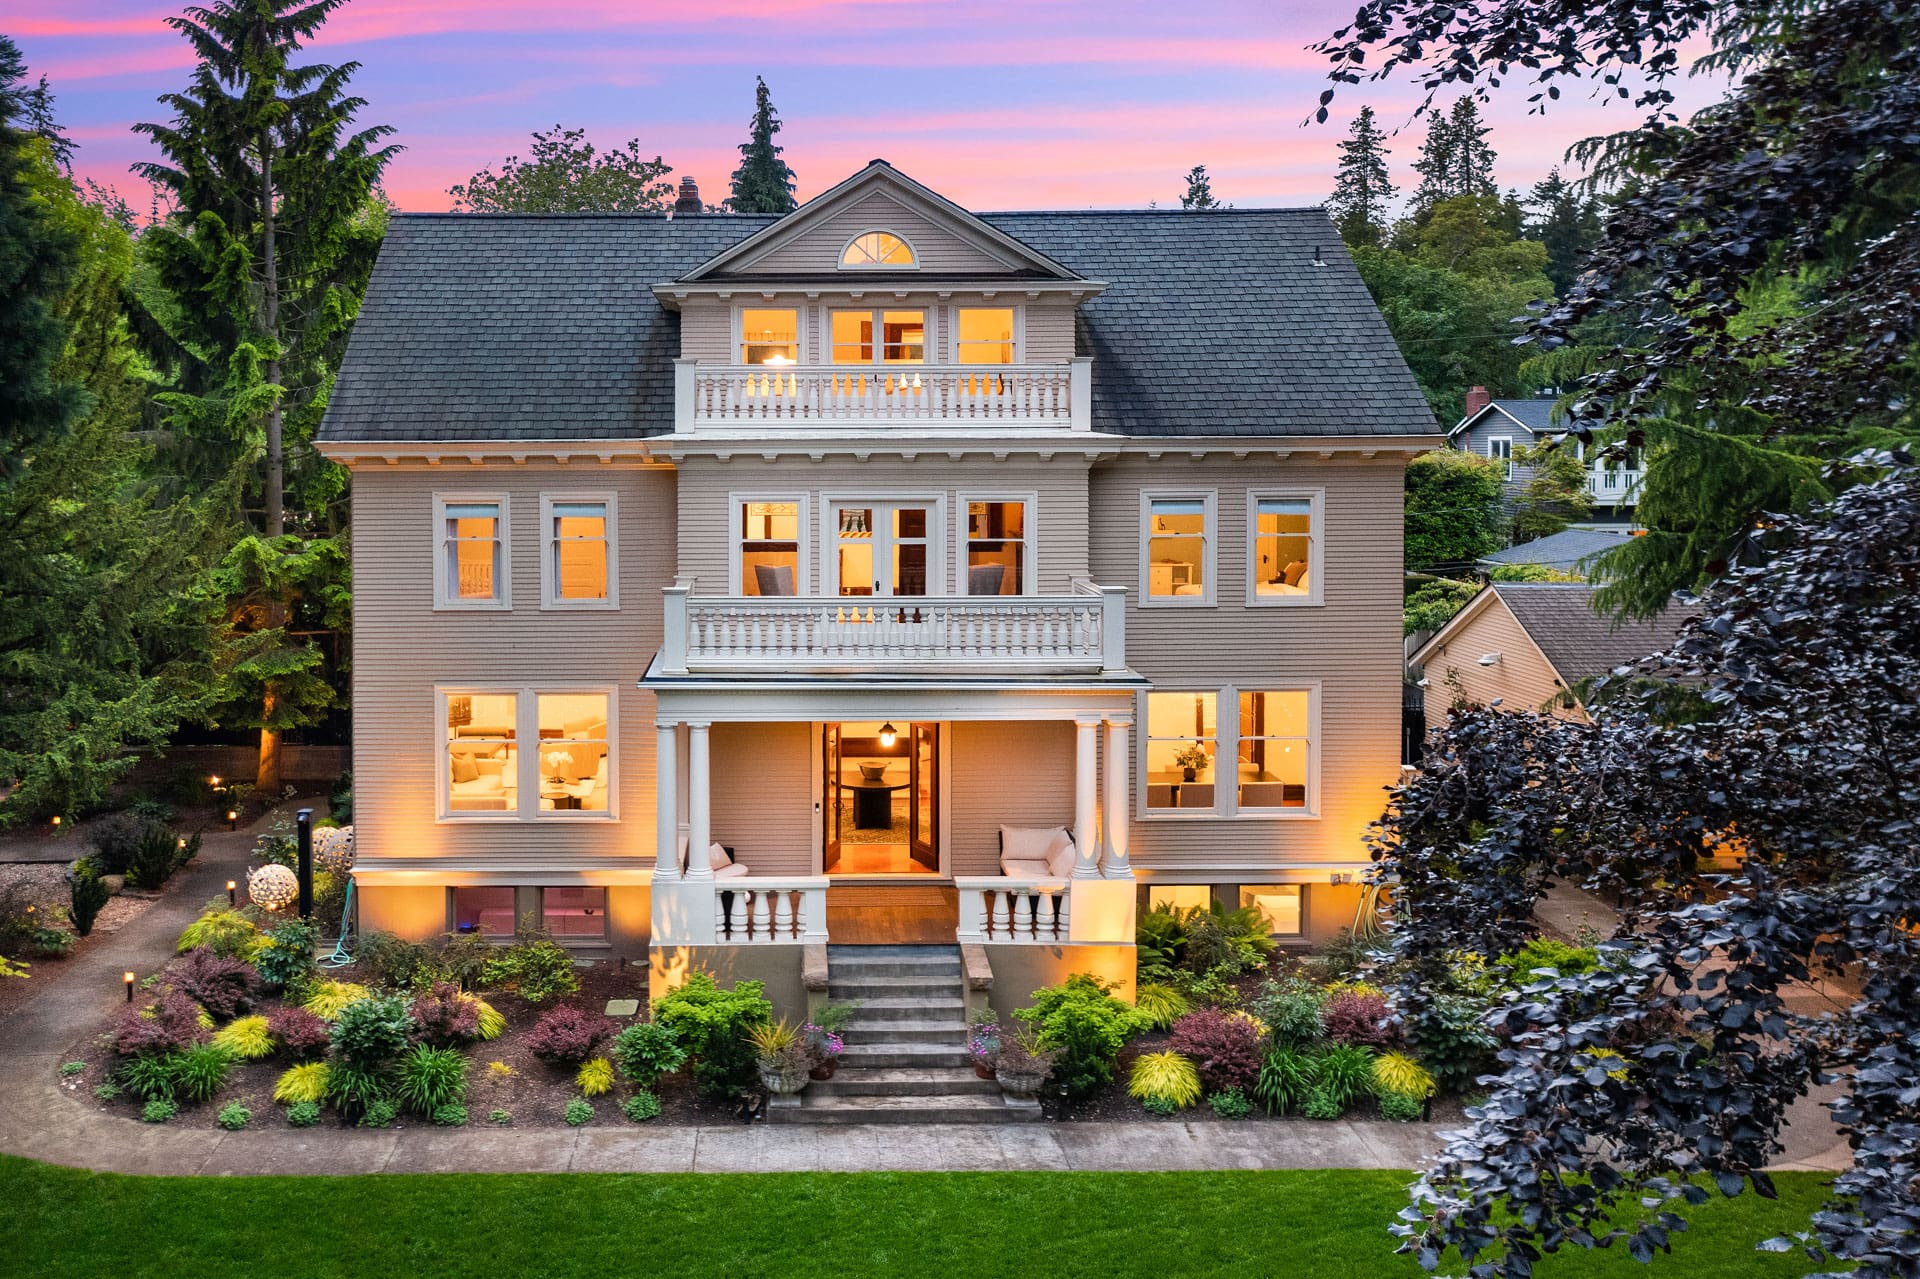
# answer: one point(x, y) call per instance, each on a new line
point(689, 201)
point(1477, 397)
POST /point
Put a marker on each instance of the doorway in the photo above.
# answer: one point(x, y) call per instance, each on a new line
point(883, 548)
point(880, 798)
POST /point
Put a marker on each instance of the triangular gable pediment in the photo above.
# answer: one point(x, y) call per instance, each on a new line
point(947, 241)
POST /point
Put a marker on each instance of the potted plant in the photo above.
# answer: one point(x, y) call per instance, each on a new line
point(822, 1036)
point(1191, 760)
point(983, 1042)
point(781, 1057)
point(1024, 1065)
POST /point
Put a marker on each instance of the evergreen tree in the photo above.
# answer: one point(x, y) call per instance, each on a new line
point(1455, 159)
point(274, 228)
point(1567, 225)
point(763, 183)
point(1362, 188)
point(1434, 165)
point(1199, 196)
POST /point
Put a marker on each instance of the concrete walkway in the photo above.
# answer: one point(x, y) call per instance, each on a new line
point(41, 1120)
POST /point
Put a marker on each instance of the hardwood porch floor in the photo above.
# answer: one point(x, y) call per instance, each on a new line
point(892, 914)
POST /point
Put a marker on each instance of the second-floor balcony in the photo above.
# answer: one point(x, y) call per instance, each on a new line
point(1079, 634)
point(1615, 486)
point(735, 397)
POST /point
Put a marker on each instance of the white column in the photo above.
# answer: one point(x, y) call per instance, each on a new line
point(1119, 791)
point(1086, 801)
point(666, 791)
point(699, 812)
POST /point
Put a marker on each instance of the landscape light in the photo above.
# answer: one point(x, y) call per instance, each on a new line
point(128, 979)
point(233, 819)
point(231, 889)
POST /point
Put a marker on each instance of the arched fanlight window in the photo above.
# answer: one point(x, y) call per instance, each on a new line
point(877, 248)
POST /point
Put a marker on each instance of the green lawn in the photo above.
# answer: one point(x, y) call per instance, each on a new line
point(56, 1222)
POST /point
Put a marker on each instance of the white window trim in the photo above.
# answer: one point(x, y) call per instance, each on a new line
point(739, 335)
point(549, 568)
point(1316, 548)
point(938, 556)
point(929, 316)
point(1226, 745)
point(841, 263)
point(1209, 556)
point(803, 532)
point(1495, 457)
point(526, 728)
point(952, 318)
point(1031, 540)
point(444, 599)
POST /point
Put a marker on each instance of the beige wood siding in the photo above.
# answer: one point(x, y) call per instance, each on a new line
point(817, 247)
point(761, 795)
point(1049, 331)
point(403, 648)
point(1057, 538)
point(1350, 645)
point(1006, 774)
point(1523, 679)
point(706, 330)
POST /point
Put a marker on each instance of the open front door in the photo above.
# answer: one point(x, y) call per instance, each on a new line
point(923, 822)
point(830, 810)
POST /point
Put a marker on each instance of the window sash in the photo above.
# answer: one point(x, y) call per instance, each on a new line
point(974, 348)
point(877, 337)
point(1169, 548)
point(574, 530)
point(1006, 547)
point(769, 332)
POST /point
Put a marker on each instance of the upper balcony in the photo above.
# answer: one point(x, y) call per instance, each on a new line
point(1615, 486)
point(730, 398)
point(1081, 634)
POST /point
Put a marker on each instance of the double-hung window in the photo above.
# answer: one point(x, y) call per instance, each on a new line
point(1176, 548)
point(1182, 746)
point(984, 335)
point(768, 537)
point(470, 566)
point(1275, 741)
point(486, 773)
point(575, 767)
point(482, 748)
point(1230, 752)
point(1283, 548)
point(998, 560)
point(769, 335)
point(879, 337)
point(1500, 449)
point(577, 561)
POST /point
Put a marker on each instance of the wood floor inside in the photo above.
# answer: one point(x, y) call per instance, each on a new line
point(890, 914)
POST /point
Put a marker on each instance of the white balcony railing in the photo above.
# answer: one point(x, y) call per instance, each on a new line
point(721, 397)
point(1615, 487)
point(769, 910)
point(1002, 910)
point(1082, 633)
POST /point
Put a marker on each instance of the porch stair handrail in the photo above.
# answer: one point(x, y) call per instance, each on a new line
point(1003, 910)
point(756, 910)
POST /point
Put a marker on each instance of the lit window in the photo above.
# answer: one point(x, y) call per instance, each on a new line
point(769, 336)
point(578, 569)
point(471, 553)
point(1181, 896)
point(1278, 903)
point(985, 335)
point(769, 548)
point(1274, 747)
point(1178, 549)
point(902, 337)
point(877, 248)
point(1284, 559)
point(996, 548)
point(1182, 741)
point(574, 764)
point(487, 911)
point(482, 757)
point(574, 913)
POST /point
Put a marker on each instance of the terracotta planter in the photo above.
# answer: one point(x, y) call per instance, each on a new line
point(825, 1069)
point(983, 1070)
point(1025, 1084)
point(781, 1082)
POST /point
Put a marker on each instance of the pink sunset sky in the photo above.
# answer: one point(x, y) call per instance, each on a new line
point(997, 104)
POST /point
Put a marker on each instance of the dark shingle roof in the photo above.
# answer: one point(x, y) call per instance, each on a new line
point(545, 328)
point(1578, 641)
point(1569, 549)
point(1535, 414)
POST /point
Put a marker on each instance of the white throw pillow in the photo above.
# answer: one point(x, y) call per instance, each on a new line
point(1026, 843)
point(717, 857)
point(1060, 859)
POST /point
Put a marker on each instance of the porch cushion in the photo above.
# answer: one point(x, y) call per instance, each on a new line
point(717, 857)
point(773, 579)
point(732, 870)
point(1036, 852)
point(1023, 870)
point(1060, 857)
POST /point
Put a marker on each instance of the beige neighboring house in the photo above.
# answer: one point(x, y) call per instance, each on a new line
point(727, 584)
point(1529, 646)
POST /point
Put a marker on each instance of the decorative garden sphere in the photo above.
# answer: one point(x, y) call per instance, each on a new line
point(333, 849)
point(273, 886)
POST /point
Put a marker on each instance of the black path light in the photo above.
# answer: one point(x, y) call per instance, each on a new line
point(303, 841)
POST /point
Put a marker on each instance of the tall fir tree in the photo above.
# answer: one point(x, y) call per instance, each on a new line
point(1199, 196)
point(274, 227)
point(1455, 159)
point(1568, 225)
point(763, 183)
point(1362, 188)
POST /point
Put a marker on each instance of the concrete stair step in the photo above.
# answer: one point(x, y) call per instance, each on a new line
point(898, 1054)
point(924, 1082)
point(863, 969)
point(951, 1008)
point(951, 1033)
point(933, 1109)
point(901, 950)
point(865, 988)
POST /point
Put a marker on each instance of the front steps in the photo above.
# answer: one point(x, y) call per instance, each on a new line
point(906, 1047)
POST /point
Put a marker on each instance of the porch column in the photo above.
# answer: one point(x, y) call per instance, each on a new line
point(666, 790)
point(699, 814)
point(1086, 801)
point(1119, 790)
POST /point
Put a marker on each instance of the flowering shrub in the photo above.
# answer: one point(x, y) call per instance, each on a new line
point(983, 1045)
point(823, 1046)
point(298, 1031)
point(167, 1025)
point(1225, 1050)
point(567, 1035)
point(1353, 1017)
point(445, 1016)
point(222, 985)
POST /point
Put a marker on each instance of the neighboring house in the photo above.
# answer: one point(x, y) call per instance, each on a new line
point(1529, 645)
point(886, 545)
point(1571, 550)
point(1499, 429)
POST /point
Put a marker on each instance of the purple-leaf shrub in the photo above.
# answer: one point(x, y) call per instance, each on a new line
point(222, 985)
point(1225, 1050)
point(1355, 1018)
point(567, 1034)
point(444, 1017)
point(167, 1025)
point(299, 1032)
